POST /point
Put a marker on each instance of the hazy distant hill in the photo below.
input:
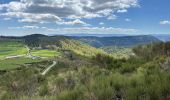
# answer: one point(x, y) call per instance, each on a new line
point(163, 37)
point(125, 41)
point(94, 35)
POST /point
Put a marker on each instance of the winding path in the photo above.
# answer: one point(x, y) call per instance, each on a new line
point(48, 69)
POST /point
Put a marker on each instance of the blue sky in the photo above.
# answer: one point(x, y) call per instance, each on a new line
point(23, 17)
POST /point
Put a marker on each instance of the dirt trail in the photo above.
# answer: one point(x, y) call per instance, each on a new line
point(48, 69)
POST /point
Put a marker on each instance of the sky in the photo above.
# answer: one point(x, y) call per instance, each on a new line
point(24, 17)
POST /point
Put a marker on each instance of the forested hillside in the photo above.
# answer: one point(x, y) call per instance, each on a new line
point(80, 48)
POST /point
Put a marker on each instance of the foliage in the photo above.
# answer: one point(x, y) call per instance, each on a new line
point(119, 52)
point(79, 48)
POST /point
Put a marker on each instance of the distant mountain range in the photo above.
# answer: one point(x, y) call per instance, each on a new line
point(95, 35)
point(95, 41)
point(163, 37)
point(123, 41)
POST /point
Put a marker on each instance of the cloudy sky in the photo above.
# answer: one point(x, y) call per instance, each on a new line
point(22, 17)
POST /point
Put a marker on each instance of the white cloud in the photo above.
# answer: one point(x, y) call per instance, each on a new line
point(7, 18)
point(27, 17)
point(57, 10)
point(165, 22)
point(24, 27)
point(127, 19)
point(122, 11)
point(101, 23)
point(77, 30)
point(91, 30)
point(44, 27)
point(112, 17)
point(75, 22)
point(29, 20)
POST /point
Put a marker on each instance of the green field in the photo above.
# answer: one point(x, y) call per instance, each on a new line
point(11, 48)
point(45, 53)
point(8, 64)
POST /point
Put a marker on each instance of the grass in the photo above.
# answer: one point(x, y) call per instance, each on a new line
point(9, 64)
point(45, 53)
point(11, 48)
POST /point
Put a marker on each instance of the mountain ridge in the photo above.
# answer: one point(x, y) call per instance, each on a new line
point(118, 41)
point(122, 41)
